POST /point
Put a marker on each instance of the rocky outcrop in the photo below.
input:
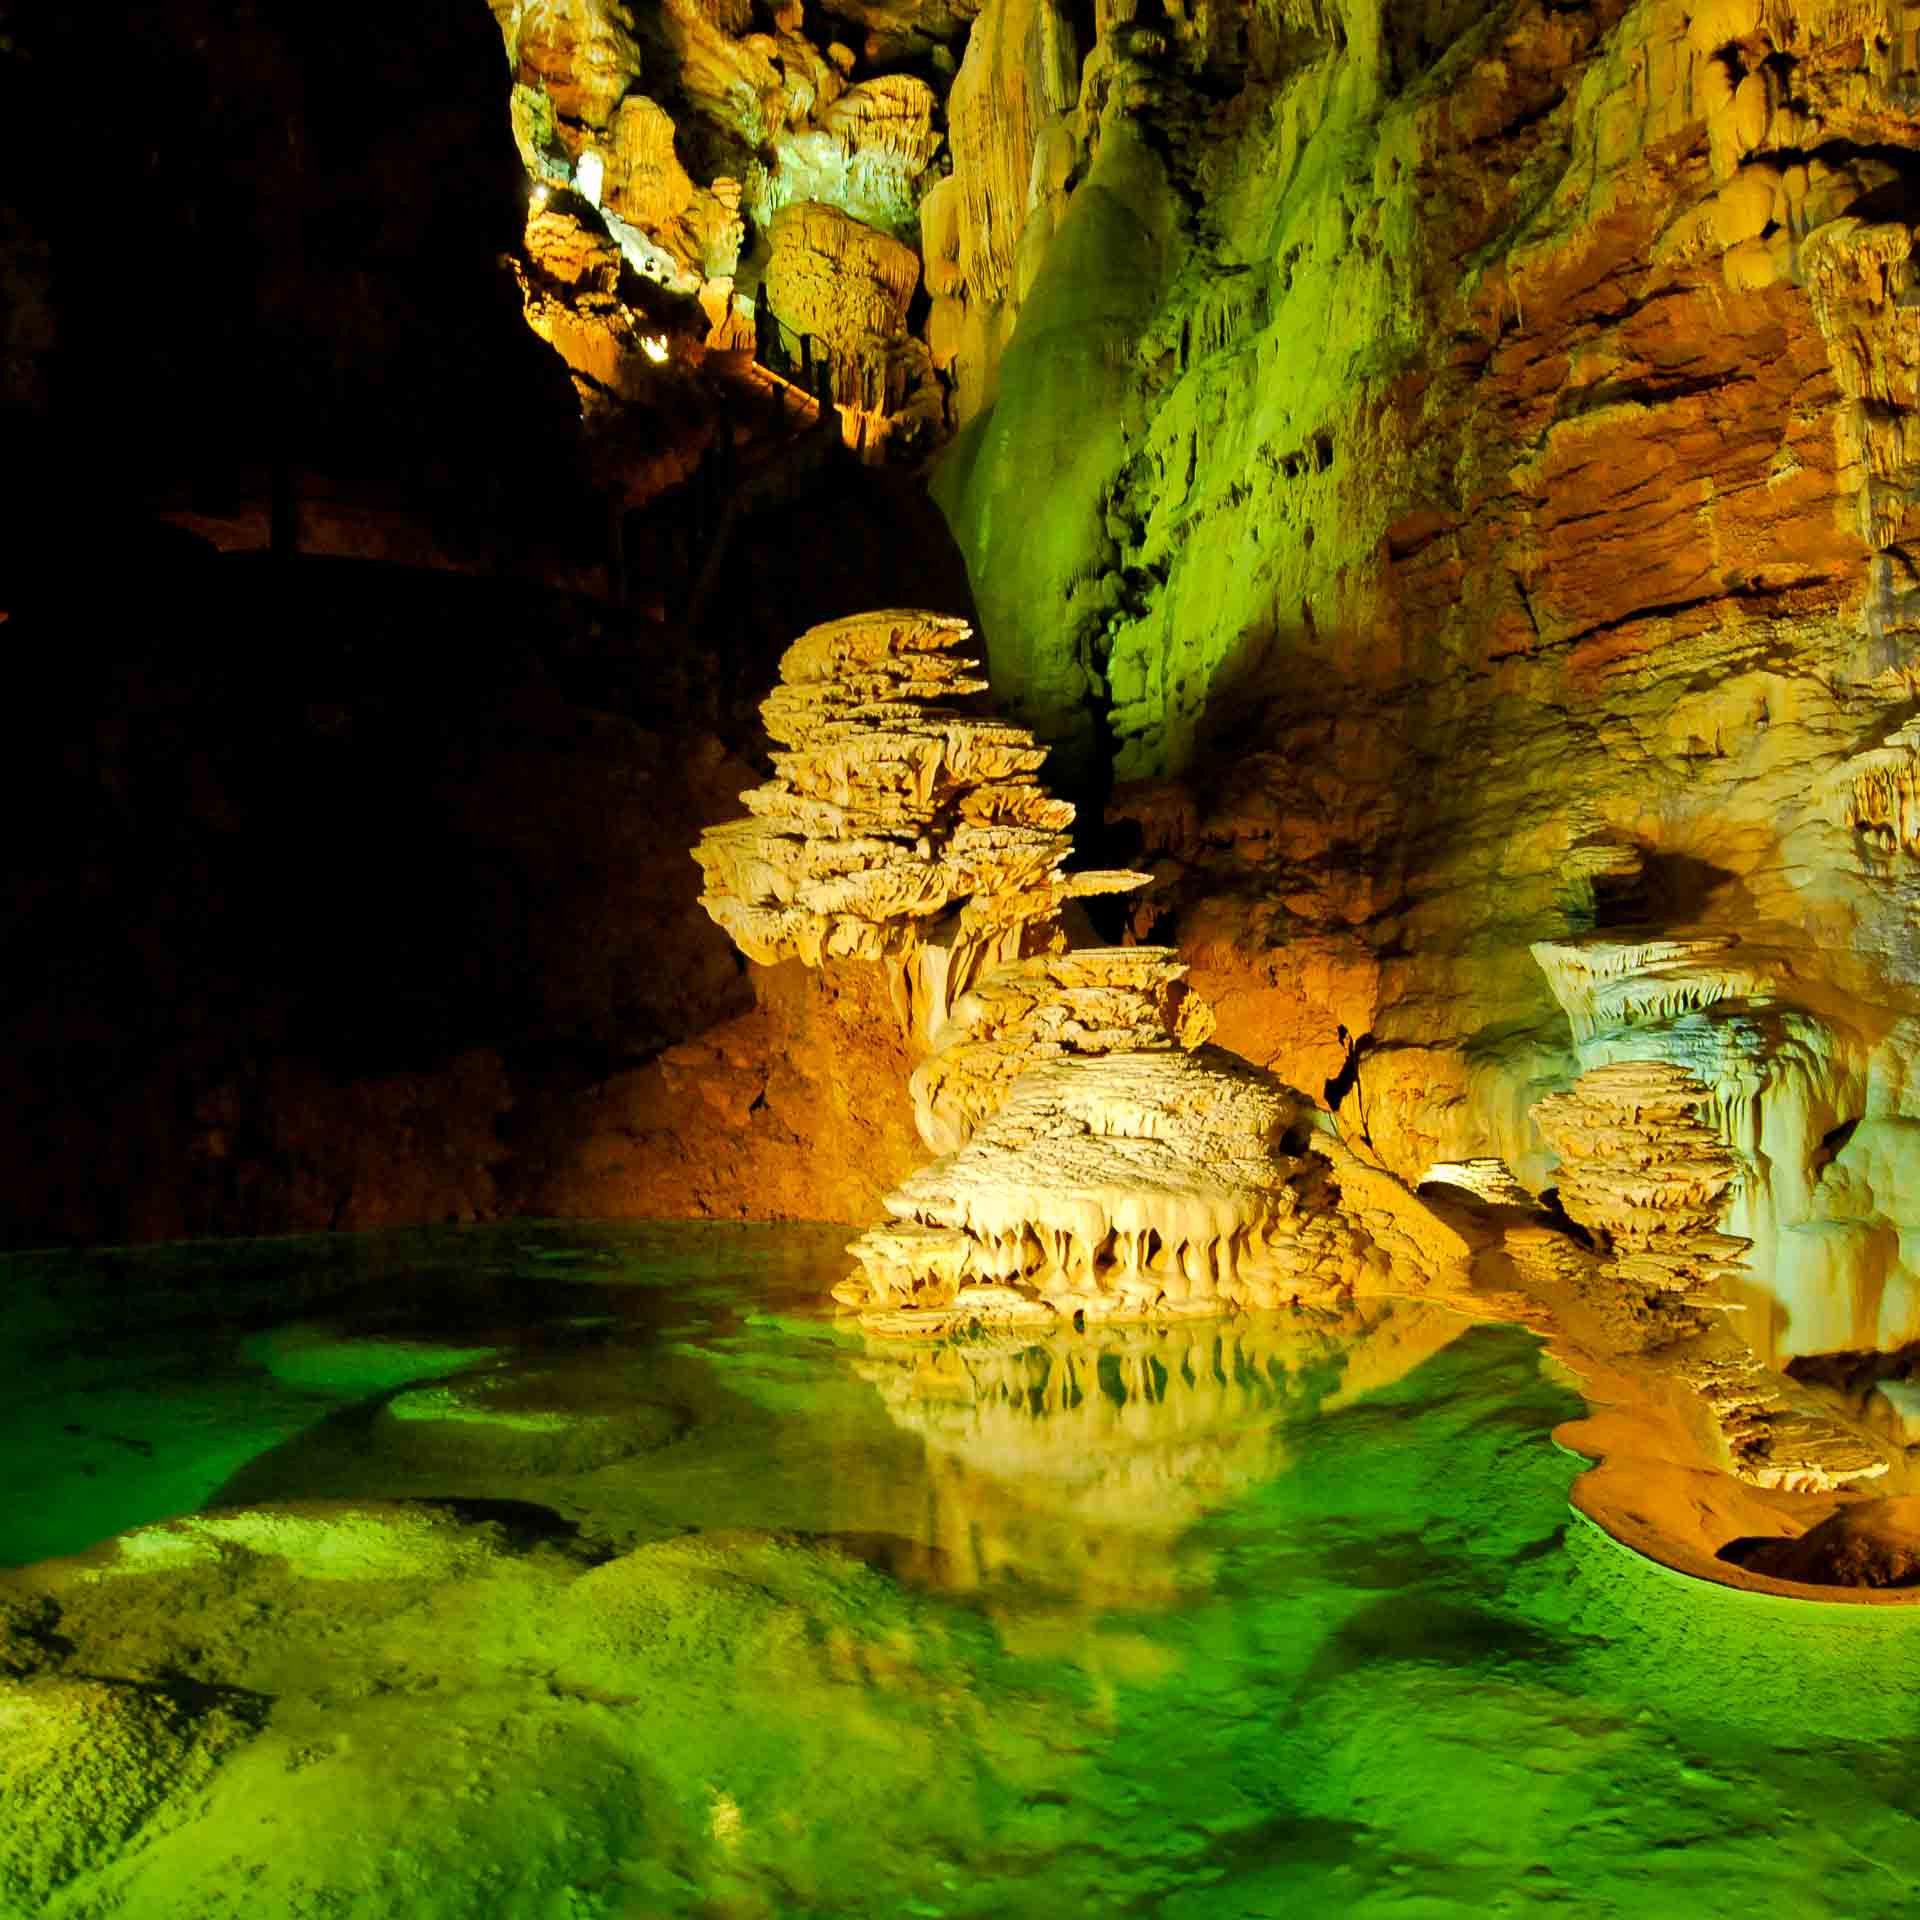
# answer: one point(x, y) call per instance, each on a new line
point(1104, 1165)
point(760, 195)
point(833, 281)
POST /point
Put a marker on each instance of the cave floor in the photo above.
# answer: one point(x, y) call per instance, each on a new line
point(610, 1576)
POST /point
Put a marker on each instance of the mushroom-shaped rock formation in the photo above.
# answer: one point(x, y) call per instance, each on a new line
point(1610, 980)
point(1124, 1186)
point(1640, 1170)
point(1051, 1006)
point(900, 826)
point(1100, 1162)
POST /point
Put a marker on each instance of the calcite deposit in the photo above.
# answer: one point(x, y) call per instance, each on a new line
point(900, 825)
point(1646, 1177)
point(752, 177)
point(1100, 1163)
point(1650, 1180)
point(1115, 1187)
point(1053, 1006)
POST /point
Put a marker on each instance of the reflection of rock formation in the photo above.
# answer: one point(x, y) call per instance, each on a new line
point(1098, 1453)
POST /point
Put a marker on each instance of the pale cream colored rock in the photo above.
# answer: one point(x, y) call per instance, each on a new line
point(1049, 1007)
point(1609, 980)
point(1021, 68)
point(1641, 1171)
point(899, 827)
point(1636, 1162)
point(1775, 1435)
point(1124, 1186)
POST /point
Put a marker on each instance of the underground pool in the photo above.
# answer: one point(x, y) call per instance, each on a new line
point(556, 1571)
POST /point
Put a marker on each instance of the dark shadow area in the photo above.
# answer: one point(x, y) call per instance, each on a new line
point(1670, 889)
point(268, 241)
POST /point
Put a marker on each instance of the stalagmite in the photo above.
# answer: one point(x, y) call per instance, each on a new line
point(1100, 1161)
point(1643, 1173)
point(900, 825)
point(1640, 1170)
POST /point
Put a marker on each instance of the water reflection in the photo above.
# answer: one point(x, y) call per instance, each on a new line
point(1081, 1463)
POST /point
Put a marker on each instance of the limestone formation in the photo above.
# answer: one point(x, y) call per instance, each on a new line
point(1052, 1006)
point(1124, 1186)
point(1883, 802)
point(899, 824)
point(1605, 981)
point(1650, 1180)
point(763, 185)
point(1642, 1173)
point(833, 281)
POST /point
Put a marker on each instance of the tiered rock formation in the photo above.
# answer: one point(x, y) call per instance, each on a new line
point(1650, 1179)
point(1103, 1165)
point(1640, 1171)
point(900, 826)
point(1054, 1006)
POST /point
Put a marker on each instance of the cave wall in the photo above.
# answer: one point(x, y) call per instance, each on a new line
point(1440, 475)
point(1466, 452)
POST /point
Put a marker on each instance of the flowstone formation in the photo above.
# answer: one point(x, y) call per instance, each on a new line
point(1125, 1186)
point(1099, 1162)
point(1054, 1006)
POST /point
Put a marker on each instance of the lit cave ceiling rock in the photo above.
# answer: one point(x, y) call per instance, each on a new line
point(732, 187)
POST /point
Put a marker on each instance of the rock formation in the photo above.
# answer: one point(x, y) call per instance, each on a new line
point(755, 193)
point(1641, 1172)
point(1054, 1006)
point(900, 826)
point(1647, 1176)
point(1124, 1186)
point(1100, 1163)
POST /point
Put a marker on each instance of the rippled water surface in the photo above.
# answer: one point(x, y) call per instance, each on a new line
point(577, 1572)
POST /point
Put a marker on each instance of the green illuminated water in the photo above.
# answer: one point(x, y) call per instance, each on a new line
point(572, 1572)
